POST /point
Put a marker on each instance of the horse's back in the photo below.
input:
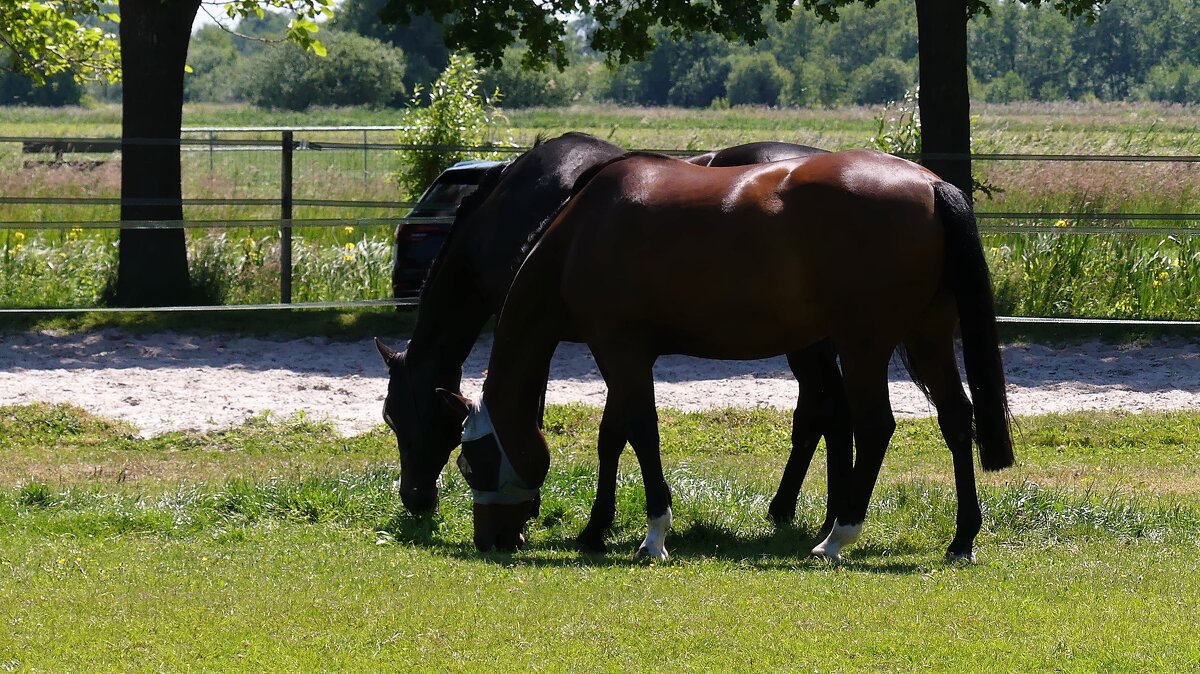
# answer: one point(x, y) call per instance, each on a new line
point(776, 249)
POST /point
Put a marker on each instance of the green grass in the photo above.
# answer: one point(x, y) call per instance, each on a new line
point(279, 545)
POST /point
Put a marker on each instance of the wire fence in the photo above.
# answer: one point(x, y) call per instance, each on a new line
point(341, 177)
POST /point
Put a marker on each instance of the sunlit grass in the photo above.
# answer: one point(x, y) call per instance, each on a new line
point(222, 561)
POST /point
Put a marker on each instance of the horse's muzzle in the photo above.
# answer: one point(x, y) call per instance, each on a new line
point(501, 526)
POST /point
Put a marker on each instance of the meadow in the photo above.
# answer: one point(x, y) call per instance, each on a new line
point(280, 545)
point(1117, 275)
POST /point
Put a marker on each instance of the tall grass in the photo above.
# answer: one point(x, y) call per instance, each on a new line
point(1068, 275)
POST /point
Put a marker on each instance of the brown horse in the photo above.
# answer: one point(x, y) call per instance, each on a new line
point(862, 248)
point(493, 231)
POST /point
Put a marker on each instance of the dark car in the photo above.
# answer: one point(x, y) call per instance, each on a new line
point(418, 243)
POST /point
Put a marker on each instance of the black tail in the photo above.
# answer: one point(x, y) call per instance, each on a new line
point(967, 275)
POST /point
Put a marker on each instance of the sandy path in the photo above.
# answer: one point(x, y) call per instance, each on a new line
point(172, 381)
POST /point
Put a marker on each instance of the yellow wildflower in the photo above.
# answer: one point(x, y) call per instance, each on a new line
point(19, 236)
point(1061, 223)
point(349, 247)
point(348, 230)
point(347, 258)
point(1162, 276)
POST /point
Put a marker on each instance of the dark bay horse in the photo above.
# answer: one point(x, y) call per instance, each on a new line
point(867, 250)
point(467, 283)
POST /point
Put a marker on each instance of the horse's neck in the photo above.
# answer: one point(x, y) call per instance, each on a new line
point(450, 317)
point(533, 322)
point(512, 392)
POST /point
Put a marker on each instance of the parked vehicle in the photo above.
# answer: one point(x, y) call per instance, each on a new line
point(418, 243)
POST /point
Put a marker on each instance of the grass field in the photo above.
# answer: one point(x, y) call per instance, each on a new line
point(279, 545)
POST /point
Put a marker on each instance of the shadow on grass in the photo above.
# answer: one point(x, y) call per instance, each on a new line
point(782, 548)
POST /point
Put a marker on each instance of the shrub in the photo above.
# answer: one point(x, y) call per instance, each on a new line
point(1179, 84)
point(701, 84)
point(357, 71)
point(756, 79)
point(1007, 88)
point(525, 88)
point(455, 115)
point(884, 79)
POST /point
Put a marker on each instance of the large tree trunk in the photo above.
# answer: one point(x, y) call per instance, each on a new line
point(152, 263)
point(944, 100)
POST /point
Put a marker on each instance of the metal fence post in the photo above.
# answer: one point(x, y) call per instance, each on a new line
point(365, 173)
point(285, 214)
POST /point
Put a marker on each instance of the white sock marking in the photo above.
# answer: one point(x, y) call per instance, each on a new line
point(655, 545)
point(841, 536)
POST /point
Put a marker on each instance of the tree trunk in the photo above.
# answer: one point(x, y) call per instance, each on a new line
point(152, 263)
point(944, 100)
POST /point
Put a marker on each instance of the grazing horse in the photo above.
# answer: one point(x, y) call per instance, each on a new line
point(865, 249)
point(467, 283)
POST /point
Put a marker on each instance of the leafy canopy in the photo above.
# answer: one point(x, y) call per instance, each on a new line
point(621, 28)
point(44, 38)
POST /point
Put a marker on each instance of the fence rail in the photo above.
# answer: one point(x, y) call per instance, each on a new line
point(284, 141)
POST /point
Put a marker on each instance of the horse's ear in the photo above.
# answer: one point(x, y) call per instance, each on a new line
point(390, 355)
point(460, 406)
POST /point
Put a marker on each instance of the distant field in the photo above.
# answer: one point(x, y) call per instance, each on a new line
point(279, 545)
point(1135, 277)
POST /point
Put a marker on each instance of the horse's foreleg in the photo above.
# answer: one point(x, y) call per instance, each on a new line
point(628, 371)
point(865, 375)
point(643, 435)
point(610, 444)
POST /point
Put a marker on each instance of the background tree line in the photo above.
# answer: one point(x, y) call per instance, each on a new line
point(1137, 50)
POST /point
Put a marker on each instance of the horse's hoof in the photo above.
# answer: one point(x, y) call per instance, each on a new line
point(781, 515)
point(841, 536)
point(645, 552)
point(827, 553)
point(593, 545)
point(960, 556)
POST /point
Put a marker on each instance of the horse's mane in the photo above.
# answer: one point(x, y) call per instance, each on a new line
point(580, 183)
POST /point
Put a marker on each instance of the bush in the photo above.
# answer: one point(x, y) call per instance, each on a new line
point(1007, 88)
point(526, 88)
point(357, 71)
point(817, 82)
point(884, 79)
point(701, 84)
point(454, 114)
point(1179, 84)
point(214, 60)
point(756, 79)
point(59, 90)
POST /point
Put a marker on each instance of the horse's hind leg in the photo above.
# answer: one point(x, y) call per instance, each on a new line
point(931, 353)
point(821, 409)
point(629, 373)
point(864, 370)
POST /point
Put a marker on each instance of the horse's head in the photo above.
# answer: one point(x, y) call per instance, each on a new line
point(504, 501)
point(426, 430)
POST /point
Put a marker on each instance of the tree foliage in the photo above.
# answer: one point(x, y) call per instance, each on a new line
point(356, 70)
point(452, 115)
point(41, 39)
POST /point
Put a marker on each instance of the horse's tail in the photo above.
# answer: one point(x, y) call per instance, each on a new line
point(967, 275)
